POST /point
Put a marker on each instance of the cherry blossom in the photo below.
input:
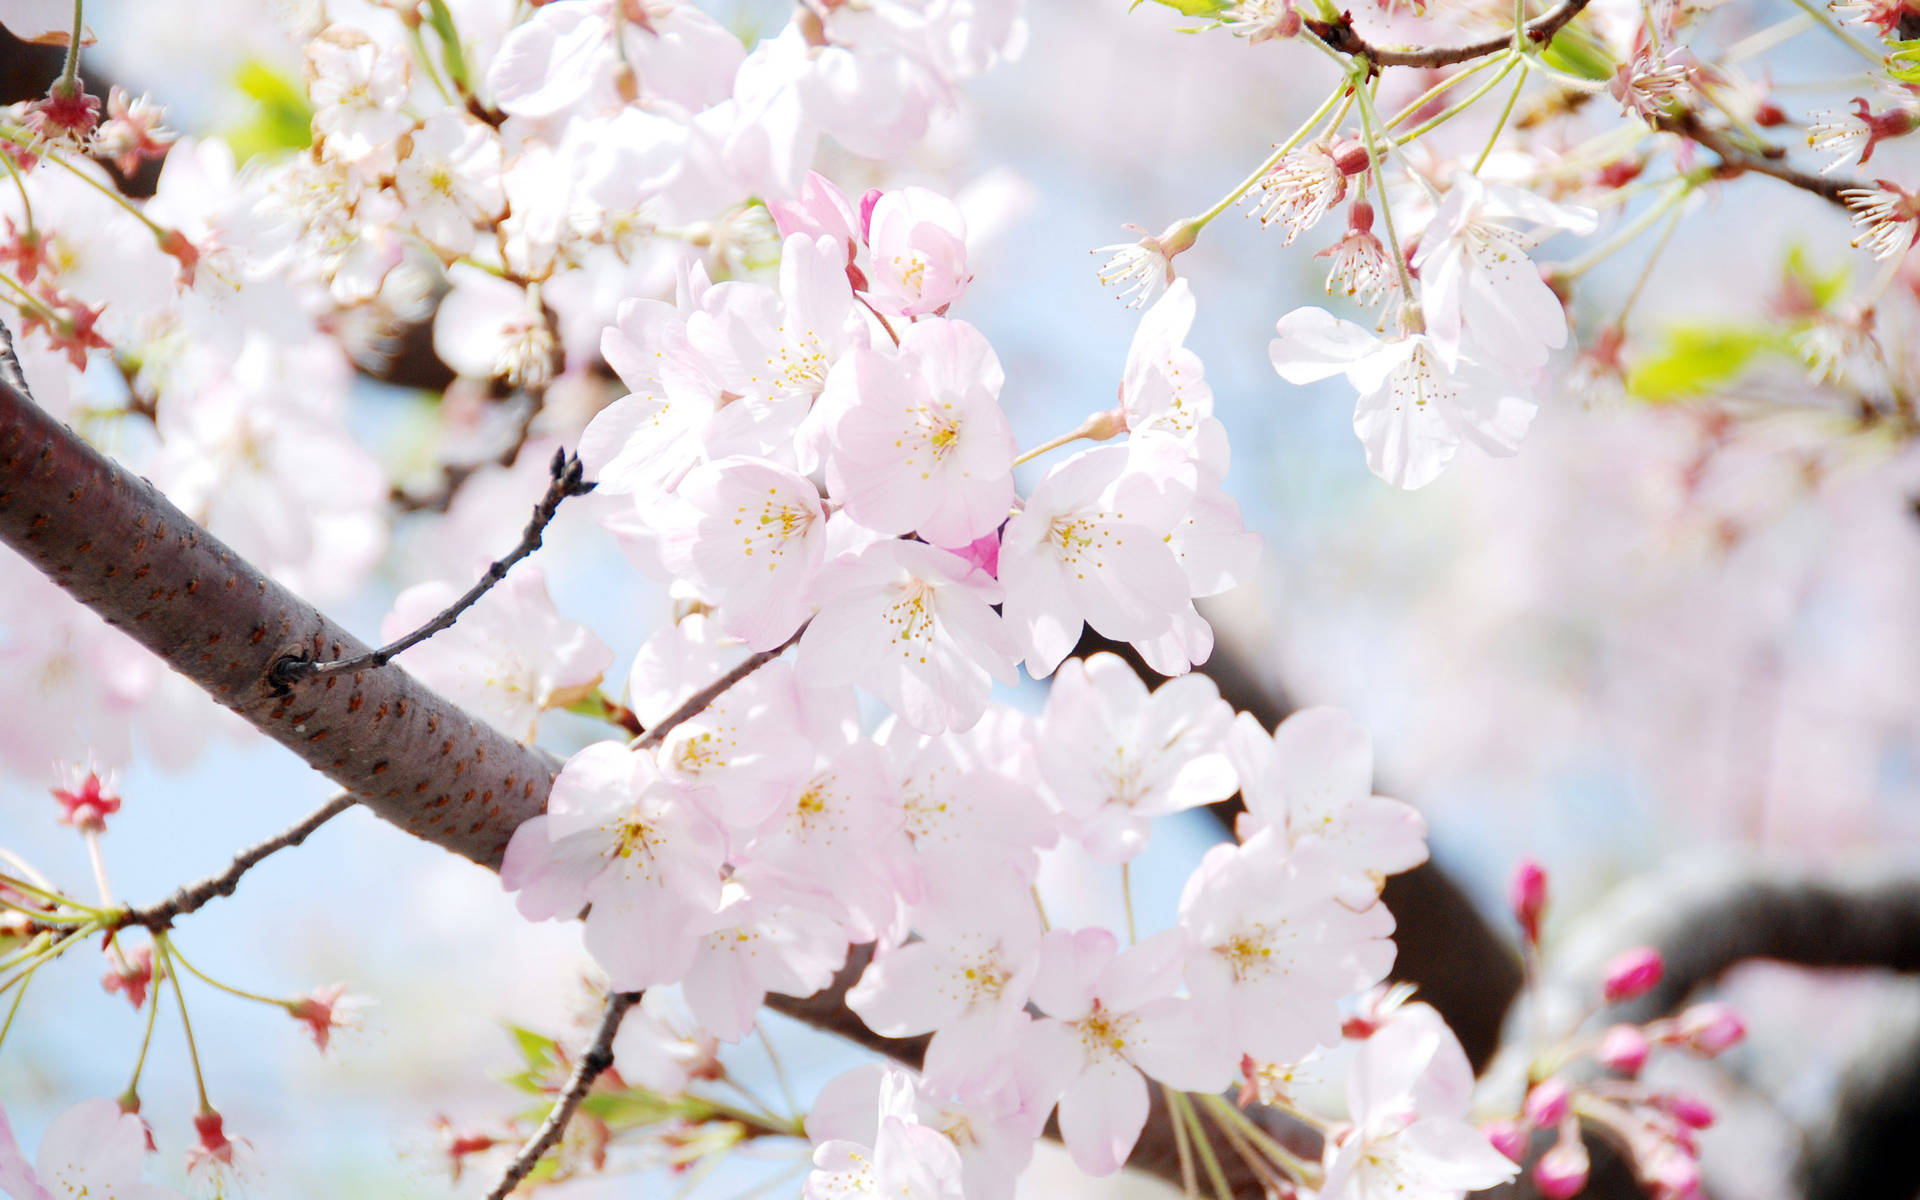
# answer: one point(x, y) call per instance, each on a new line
point(904, 1158)
point(1115, 756)
point(917, 261)
point(753, 536)
point(92, 1149)
point(1089, 547)
point(1313, 779)
point(1476, 278)
point(913, 625)
point(920, 443)
point(1279, 931)
point(1116, 1016)
point(1414, 410)
point(1407, 1095)
point(618, 837)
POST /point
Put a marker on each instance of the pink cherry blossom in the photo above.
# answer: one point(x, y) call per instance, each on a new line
point(91, 1149)
point(917, 257)
point(904, 1158)
point(1164, 385)
point(1313, 779)
point(1114, 756)
point(1090, 547)
point(1278, 938)
point(753, 536)
point(920, 443)
point(1407, 1097)
point(1115, 1015)
point(621, 839)
point(914, 626)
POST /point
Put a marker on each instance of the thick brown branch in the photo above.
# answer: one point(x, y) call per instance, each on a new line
point(190, 898)
point(1341, 36)
point(121, 548)
point(592, 1064)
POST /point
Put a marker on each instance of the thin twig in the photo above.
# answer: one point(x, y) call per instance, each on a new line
point(1769, 161)
point(1341, 36)
point(593, 1063)
point(568, 480)
point(161, 916)
point(708, 694)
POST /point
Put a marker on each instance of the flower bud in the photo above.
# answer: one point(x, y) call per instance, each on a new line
point(1351, 157)
point(1528, 896)
point(1623, 1049)
point(1508, 1137)
point(1562, 1171)
point(1672, 1174)
point(87, 799)
point(1689, 1110)
point(1632, 973)
point(1711, 1029)
point(1547, 1104)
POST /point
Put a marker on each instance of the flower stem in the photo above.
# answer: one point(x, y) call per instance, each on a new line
point(70, 74)
point(1198, 1132)
point(146, 1039)
point(1853, 43)
point(164, 945)
point(205, 978)
point(1183, 1146)
point(1272, 160)
point(1501, 125)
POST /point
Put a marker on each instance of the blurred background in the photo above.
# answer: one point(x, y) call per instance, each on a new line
point(1645, 646)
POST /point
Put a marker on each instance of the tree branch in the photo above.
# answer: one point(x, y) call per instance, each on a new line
point(592, 1064)
point(1769, 161)
point(567, 481)
point(121, 548)
point(189, 899)
point(1341, 36)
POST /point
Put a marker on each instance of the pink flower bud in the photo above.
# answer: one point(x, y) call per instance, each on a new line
point(1528, 896)
point(1672, 1174)
point(1712, 1029)
point(1351, 157)
point(1562, 1171)
point(1632, 973)
point(1547, 1104)
point(867, 203)
point(1508, 1137)
point(1623, 1049)
point(1690, 1111)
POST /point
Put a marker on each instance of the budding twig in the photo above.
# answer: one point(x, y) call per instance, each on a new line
point(1341, 36)
point(708, 694)
point(160, 916)
point(1769, 161)
point(593, 1063)
point(568, 480)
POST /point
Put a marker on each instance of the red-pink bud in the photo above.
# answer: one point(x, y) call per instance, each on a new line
point(1528, 898)
point(1711, 1029)
point(866, 212)
point(87, 800)
point(1623, 1048)
point(1672, 1174)
point(1351, 156)
point(1562, 1171)
point(1689, 1110)
point(1632, 973)
point(1547, 1104)
point(1508, 1137)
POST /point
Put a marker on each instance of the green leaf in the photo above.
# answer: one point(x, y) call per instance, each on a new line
point(1697, 359)
point(1904, 61)
point(539, 1050)
point(1578, 52)
point(281, 119)
point(1823, 290)
point(1191, 8)
point(452, 57)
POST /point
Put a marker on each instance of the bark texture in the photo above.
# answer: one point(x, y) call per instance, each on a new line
point(121, 548)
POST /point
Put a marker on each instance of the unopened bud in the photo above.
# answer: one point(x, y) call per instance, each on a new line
point(1632, 973)
point(1351, 156)
point(1528, 894)
point(1687, 1109)
point(1623, 1049)
point(1508, 1137)
point(1562, 1171)
point(1547, 1104)
point(1711, 1029)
